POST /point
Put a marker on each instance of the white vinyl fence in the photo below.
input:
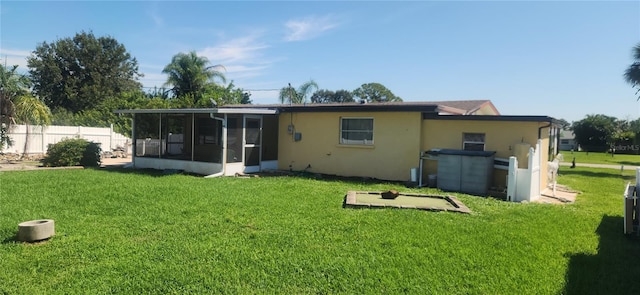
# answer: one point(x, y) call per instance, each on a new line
point(524, 184)
point(40, 138)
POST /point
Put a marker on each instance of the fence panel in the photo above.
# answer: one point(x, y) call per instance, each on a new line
point(39, 137)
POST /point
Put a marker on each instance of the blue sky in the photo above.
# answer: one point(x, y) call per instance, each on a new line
point(563, 59)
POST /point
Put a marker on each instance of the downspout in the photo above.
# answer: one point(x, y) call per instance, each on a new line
point(224, 142)
point(542, 127)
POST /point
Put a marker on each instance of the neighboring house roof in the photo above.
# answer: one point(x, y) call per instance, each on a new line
point(466, 107)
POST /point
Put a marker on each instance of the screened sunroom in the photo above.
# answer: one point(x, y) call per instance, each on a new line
point(212, 142)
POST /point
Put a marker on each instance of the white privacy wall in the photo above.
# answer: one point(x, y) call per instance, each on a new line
point(41, 137)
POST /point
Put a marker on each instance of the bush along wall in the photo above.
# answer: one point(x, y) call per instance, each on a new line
point(73, 152)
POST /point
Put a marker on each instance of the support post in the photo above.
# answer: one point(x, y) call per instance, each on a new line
point(512, 179)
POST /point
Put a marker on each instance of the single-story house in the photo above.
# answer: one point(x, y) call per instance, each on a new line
point(568, 141)
point(377, 140)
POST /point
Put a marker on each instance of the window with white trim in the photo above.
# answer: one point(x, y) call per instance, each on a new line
point(473, 141)
point(357, 131)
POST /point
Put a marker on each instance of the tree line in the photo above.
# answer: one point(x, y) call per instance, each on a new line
point(368, 92)
point(602, 133)
point(81, 80)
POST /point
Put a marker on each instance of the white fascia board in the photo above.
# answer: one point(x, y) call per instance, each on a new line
point(259, 111)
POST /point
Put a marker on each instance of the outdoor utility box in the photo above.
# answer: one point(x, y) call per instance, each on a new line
point(463, 171)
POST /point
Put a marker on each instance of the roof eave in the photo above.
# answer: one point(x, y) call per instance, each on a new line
point(256, 111)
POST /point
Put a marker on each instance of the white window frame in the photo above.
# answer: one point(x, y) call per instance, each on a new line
point(466, 142)
point(354, 142)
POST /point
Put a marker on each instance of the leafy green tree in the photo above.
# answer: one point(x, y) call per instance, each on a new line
point(322, 96)
point(375, 92)
point(13, 85)
point(632, 74)
point(80, 73)
point(225, 95)
point(214, 95)
point(31, 111)
point(596, 133)
point(161, 92)
point(343, 96)
point(289, 95)
point(103, 115)
point(246, 98)
point(564, 125)
point(190, 74)
point(328, 96)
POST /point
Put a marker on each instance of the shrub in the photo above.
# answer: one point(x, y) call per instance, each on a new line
point(73, 152)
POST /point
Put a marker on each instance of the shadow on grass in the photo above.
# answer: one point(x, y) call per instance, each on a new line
point(334, 178)
point(629, 163)
point(614, 270)
point(13, 238)
point(591, 173)
point(143, 171)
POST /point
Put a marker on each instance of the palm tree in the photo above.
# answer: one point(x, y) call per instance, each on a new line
point(29, 110)
point(190, 73)
point(12, 85)
point(632, 74)
point(288, 94)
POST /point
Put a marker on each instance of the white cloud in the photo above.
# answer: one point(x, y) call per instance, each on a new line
point(308, 28)
point(155, 16)
point(237, 50)
point(15, 57)
point(157, 20)
point(242, 57)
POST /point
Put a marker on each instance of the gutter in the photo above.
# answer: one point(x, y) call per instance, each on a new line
point(540, 129)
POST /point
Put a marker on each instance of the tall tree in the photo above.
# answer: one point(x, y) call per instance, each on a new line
point(595, 133)
point(328, 96)
point(375, 92)
point(81, 72)
point(13, 85)
point(632, 74)
point(246, 98)
point(189, 74)
point(289, 95)
point(564, 125)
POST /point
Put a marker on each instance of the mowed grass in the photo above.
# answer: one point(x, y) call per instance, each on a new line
point(601, 158)
point(142, 232)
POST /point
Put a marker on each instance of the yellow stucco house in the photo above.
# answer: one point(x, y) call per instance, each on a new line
point(385, 141)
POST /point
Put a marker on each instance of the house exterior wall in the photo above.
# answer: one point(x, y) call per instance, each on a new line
point(500, 136)
point(396, 147)
point(568, 145)
point(203, 168)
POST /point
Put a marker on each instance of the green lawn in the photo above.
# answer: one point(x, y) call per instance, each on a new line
point(601, 158)
point(140, 232)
